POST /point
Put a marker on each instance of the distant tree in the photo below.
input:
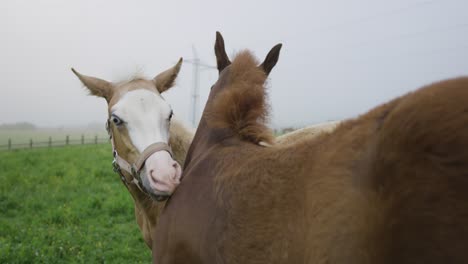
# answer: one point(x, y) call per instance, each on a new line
point(287, 130)
point(95, 126)
point(19, 125)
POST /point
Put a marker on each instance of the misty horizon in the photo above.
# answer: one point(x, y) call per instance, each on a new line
point(339, 58)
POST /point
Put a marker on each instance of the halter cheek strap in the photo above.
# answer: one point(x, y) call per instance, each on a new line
point(119, 164)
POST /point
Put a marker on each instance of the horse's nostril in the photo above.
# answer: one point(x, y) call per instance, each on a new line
point(174, 165)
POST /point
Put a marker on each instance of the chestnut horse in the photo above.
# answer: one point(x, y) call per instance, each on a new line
point(386, 187)
point(139, 122)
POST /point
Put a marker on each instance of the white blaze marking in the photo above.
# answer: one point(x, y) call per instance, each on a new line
point(145, 114)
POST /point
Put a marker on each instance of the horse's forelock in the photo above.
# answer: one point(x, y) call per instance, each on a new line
point(242, 106)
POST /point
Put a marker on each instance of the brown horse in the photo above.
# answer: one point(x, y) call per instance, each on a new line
point(387, 187)
point(180, 137)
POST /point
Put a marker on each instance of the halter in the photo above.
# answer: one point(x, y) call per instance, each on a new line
point(119, 164)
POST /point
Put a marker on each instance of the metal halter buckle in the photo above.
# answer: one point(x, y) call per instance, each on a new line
point(115, 166)
point(135, 174)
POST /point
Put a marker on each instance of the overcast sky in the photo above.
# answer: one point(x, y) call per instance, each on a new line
point(339, 58)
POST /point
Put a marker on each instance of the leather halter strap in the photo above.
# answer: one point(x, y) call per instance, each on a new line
point(133, 170)
point(136, 168)
point(150, 150)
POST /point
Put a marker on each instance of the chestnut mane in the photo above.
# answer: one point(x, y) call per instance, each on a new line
point(241, 106)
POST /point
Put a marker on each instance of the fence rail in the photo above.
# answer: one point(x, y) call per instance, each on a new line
point(53, 143)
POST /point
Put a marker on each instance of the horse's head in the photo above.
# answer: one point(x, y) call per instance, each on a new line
point(237, 105)
point(138, 123)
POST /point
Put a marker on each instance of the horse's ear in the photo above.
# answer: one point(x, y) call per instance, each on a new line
point(166, 79)
point(222, 59)
point(95, 85)
point(271, 59)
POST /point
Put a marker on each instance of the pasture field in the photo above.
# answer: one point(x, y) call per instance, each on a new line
point(65, 205)
point(21, 136)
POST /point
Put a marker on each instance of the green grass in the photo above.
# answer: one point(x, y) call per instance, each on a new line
point(65, 205)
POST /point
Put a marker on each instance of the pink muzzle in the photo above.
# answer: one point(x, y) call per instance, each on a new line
point(162, 172)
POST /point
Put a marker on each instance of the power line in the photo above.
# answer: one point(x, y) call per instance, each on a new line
point(411, 53)
point(377, 15)
point(407, 35)
point(197, 65)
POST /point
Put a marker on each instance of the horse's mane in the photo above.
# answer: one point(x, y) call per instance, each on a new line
point(137, 77)
point(180, 139)
point(242, 106)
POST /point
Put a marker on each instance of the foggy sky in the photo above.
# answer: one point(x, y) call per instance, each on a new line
point(339, 58)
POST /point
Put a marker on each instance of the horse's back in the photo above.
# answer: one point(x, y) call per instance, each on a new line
point(390, 186)
point(421, 171)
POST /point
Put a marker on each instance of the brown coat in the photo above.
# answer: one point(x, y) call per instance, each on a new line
point(387, 187)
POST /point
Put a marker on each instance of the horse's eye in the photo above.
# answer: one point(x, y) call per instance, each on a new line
point(116, 120)
point(170, 115)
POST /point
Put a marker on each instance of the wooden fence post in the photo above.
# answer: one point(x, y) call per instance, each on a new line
point(95, 139)
point(9, 144)
point(30, 143)
point(82, 139)
point(67, 140)
point(50, 142)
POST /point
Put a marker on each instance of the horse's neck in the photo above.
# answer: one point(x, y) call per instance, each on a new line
point(146, 212)
point(204, 138)
point(180, 139)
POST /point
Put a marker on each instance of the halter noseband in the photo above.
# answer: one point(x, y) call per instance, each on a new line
point(119, 164)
